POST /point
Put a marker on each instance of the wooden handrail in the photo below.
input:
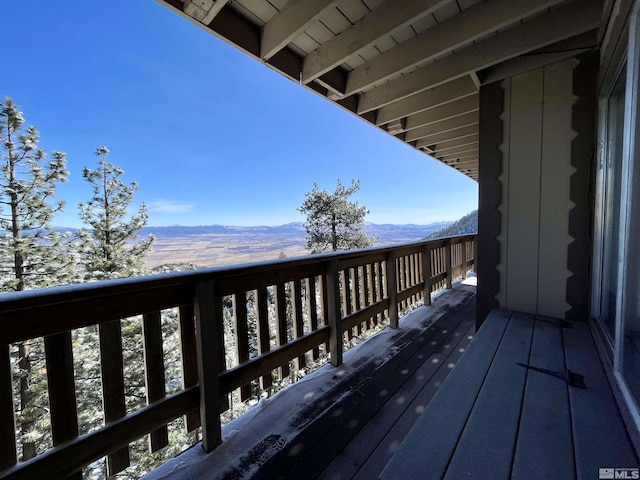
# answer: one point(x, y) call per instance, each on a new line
point(319, 302)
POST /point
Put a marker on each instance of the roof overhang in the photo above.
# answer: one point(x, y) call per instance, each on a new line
point(412, 68)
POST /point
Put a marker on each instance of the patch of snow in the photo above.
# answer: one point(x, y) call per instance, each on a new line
point(267, 427)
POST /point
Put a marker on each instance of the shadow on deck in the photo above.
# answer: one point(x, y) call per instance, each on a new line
point(344, 422)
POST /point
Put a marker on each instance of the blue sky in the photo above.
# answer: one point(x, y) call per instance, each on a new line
point(211, 135)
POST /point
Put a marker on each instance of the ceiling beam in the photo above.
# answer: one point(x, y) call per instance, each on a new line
point(463, 29)
point(556, 53)
point(462, 157)
point(446, 145)
point(565, 22)
point(290, 22)
point(440, 95)
point(390, 16)
point(458, 133)
point(442, 112)
point(203, 11)
point(442, 126)
point(471, 147)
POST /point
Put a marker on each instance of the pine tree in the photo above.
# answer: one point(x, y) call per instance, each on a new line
point(333, 222)
point(110, 249)
point(31, 252)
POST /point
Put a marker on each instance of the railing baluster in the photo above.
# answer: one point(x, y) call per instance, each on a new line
point(8, 453)
point(222, 361)
point(207, 335)
point(62, 389)
point(298, 320)
point(264, 345)
point(426, 274)
point(242, 336)
point(464, 259)
point(312, 306)
point(392, 285)
point(188, 348)
point(347, 297)
point(154, 372)
point(281, 324)
point(447, 264)
point(325, 308)
point(357, 301)
point(334, 314)
point(110, 334)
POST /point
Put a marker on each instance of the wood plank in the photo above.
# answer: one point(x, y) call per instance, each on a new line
point(489, 438)
point(298, 320)
point(65, 459)
point(262, 327)
point(288, 23)
point(391, 285)
point(432, 98)
point(383, 20)
point(442, 126)
point(312, 308)
point(207, 334)
point(112, 373)
point(522, 223)
point(443, 112)
point(555, 179)
point(452, 34)
point(594, 435)
point(542, 30)
point(187, 332)
point(455, 134)
point(333, 314)
point(61, 386)
point(420, 389)
point(242, 336)
point(439, 428)
point(324, 439)
point(154, 372)
point(281, 325)
point(234, 377)
point(8, 453)
point(545, 444)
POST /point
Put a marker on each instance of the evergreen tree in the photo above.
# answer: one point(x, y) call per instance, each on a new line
point(31, 253)
point(30, 250)
point(333, 222)
point(110, 249)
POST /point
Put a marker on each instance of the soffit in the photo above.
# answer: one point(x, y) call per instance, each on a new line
point(412, 68)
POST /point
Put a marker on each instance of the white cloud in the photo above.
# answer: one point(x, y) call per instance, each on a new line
point(170, 207)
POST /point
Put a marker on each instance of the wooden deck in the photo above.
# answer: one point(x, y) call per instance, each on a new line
point(494, 418)
point(349, 429)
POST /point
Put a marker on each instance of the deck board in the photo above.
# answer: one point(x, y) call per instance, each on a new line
point(501, 391)
point(545, 443)
point(524, 423)
point(594, 435)
point(367, 454)
point(324, 440)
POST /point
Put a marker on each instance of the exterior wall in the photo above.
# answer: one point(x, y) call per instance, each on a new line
point(534, 186)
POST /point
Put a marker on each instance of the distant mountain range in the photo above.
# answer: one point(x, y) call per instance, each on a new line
point(386, 233)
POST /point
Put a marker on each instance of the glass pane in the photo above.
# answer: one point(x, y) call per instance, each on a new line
point(631, 311)
point(612, 187)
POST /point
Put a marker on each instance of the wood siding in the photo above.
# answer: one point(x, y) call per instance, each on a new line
point(538, 191)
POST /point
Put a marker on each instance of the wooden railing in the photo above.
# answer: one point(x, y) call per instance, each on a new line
point(298, 310)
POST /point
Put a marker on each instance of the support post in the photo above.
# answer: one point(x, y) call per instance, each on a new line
point(334, 313)
point(208, 368)
point(392, 288)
